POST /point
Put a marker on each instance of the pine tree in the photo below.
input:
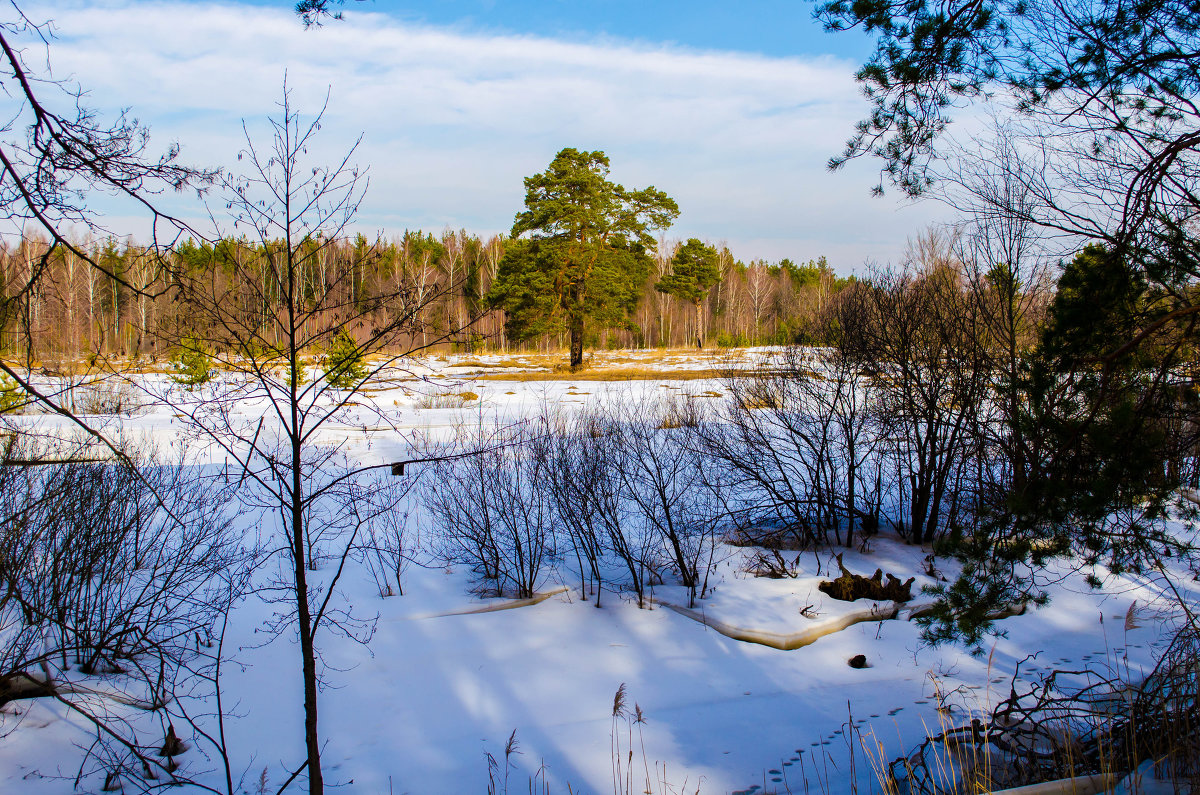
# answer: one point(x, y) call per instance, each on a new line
point(344, 367)
point(192, 363)
point(587, 256)
point(694, 271)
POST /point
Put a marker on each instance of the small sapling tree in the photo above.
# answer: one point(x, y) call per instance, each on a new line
point(12, 396)
point(344, 366)
point(192, 364)
point(285, 291)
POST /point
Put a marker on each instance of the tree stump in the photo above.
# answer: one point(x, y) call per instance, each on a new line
point(850, 586)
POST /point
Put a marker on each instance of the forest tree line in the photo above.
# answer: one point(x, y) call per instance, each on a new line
point(78, 310)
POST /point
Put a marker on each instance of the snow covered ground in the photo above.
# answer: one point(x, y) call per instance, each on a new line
point(441, 684)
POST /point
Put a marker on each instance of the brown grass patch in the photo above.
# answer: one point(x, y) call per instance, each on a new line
point(478, 365)
point(614, 374)
point(445, 400)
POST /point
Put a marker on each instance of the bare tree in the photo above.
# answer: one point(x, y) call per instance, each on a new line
point(920, 336)
point(758, 291)
point(288, 302)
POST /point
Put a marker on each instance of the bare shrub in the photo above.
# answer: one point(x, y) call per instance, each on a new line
point(384, 547)
point(115, 571)
point(583, 490)
point(1068, 724)
point(667, 484)
point(797, 445)
point(492, 514)
point(116, 564)
point(104, 396)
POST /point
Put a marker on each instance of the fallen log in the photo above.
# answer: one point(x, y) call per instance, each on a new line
point(850, 587)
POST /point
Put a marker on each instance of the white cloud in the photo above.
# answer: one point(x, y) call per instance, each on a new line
point(453, 120)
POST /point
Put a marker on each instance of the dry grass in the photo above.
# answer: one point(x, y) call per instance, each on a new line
point(607, 374)
point(474, 364)
point(445, 400)
point(82, 368)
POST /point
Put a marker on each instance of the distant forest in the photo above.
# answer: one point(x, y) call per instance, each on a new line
point(77, 310)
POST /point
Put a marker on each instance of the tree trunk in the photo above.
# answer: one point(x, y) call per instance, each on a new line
point(316, 782)
point(699, 325)
point(575, 323)
point(576, 341)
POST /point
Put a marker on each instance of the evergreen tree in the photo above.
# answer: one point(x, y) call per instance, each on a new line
point(694, 271)
point(12, 396)
point(192, 363)
point(585, 259)
point(344, 367)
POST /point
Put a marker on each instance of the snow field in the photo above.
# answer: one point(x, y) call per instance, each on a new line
point(416, 709)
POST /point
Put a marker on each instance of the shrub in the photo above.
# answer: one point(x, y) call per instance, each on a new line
point(344, 365)
point(192, 364)
point(490, 510)
point(102, 396)
point(12, 397)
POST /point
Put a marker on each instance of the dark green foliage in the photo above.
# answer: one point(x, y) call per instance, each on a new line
point(192, 363)
point(1138, 57)
point(1097, 301)
point(525, 288)
point(344, 366)
point(586, 256)
point(12, 396)
point(693, 272)
point(1105, 460)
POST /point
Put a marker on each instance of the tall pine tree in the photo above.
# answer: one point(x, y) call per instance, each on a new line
point(586, 254)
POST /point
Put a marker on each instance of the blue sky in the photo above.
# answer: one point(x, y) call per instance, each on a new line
point(732, 109)
point(753, 26)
